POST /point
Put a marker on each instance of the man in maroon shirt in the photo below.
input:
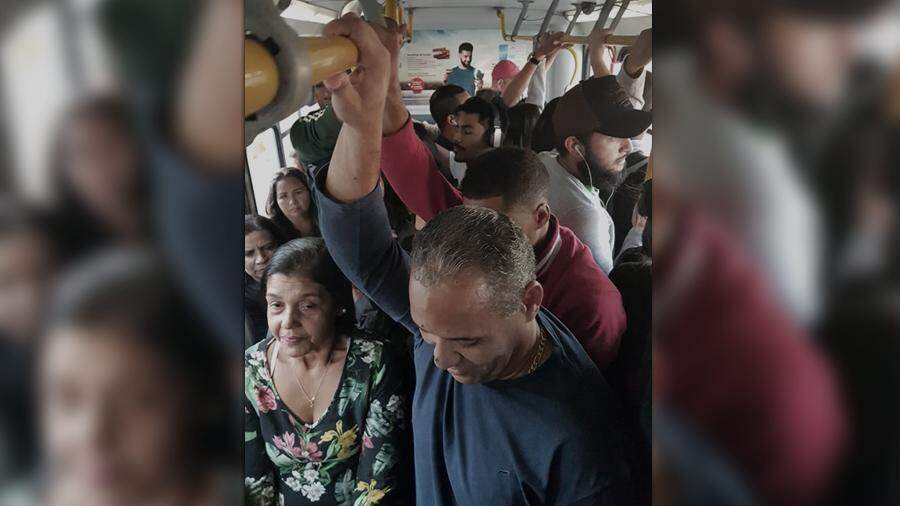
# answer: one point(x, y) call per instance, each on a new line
point(515, 183)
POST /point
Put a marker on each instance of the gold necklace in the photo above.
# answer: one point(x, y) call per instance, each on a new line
point(312, 399)
point(540, 352)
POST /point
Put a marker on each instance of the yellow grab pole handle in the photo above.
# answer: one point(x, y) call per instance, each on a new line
point(323, 56)
point(329, 56)
point(260, 77)
point(502, 18)
point(574, 69)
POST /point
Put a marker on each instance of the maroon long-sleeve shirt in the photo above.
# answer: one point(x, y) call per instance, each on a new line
point(575, 289)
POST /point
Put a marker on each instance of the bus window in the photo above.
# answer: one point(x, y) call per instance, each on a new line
point(285, 127)
point(34, 94)
point(263, 160)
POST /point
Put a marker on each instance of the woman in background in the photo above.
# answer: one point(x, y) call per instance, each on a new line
point(261, 238)
point(290, 205)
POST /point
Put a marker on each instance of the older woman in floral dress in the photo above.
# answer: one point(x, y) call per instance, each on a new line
point(326, 405)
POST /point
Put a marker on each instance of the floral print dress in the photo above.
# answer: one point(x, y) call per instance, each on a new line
point(355, 454)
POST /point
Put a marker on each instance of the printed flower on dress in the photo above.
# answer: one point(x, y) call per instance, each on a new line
point(286, 443)
point(310, 475)
point(313, 491)
point(343, 488)
point(260, 490)
point(312, 452)
point(265, 399)
point(370, 495)
point(367, 441)
point(293, 483)
point(395, 406)
point(257, 359)
point(371, 351)
point(344, 440)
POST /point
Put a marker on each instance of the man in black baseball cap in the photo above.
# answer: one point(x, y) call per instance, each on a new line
point(594, 123)
point(598, 105)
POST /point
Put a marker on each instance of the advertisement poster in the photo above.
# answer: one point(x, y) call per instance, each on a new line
point(434, 54)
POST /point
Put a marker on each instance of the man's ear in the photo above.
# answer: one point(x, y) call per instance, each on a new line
point(534, 295)
point(542, 214)
point(571, 143)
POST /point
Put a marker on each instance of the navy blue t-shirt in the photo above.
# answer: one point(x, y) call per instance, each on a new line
point(552, 436)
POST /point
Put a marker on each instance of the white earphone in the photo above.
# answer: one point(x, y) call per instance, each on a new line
point(498, 136)
point(580, 150)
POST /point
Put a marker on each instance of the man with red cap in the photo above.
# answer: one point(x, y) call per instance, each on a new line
point(511, 81)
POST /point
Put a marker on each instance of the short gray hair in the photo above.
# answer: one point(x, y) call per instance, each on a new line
point(476, 239)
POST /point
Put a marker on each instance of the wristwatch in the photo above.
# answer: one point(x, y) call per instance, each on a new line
point(534, 61)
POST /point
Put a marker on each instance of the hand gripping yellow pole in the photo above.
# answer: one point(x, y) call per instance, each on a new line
point(323, 58)
point(281, 68)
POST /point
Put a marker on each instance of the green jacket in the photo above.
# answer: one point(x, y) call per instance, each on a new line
point(315, 135)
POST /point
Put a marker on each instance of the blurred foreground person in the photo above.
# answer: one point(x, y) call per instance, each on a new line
point(191, 127)
point(27, 265)
point(100, 179)
point(326, 405)
point(746, 91)
point(736, 367)
point(488, 358)
point(133, 395)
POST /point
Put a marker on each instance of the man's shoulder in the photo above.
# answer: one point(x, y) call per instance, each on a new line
point(575, 261)
point(573, 361)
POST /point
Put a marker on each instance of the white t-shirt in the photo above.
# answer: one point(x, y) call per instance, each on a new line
point(457, 169)
point(581, 209)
